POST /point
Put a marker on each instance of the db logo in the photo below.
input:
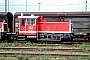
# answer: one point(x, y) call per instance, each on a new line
point(30, 27)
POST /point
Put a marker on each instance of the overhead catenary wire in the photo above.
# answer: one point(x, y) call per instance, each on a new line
point(41, 5)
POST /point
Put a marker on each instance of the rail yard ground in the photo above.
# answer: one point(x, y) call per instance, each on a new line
point(44, 51)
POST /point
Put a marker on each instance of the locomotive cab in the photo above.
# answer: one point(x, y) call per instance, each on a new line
point(28, 26)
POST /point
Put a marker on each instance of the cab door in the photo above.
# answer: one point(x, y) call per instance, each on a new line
point(22, 26)
point(31, 26)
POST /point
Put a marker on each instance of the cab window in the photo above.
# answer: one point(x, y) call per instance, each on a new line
point(23, 22)
point(30, 21)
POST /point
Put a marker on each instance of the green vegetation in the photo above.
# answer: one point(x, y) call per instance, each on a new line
point(26, 58)
point(88, 57)
point(45, 59)
point(20, 57)
point(84, 48)
point(71, 58)
point(1, 58)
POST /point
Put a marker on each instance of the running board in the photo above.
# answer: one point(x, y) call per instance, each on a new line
point(21, 38)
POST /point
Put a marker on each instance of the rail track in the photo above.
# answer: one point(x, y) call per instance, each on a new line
point(35, 54)
point(41, 45)
point(42, 51)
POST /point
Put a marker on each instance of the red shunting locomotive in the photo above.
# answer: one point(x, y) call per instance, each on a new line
point(38, 28)
point(35, 27)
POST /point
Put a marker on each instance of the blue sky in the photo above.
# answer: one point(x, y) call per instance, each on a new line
point(46, 5)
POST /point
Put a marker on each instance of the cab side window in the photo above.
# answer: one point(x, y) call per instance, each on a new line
point(28, 21)
point(23, 22)
point(32, 21)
